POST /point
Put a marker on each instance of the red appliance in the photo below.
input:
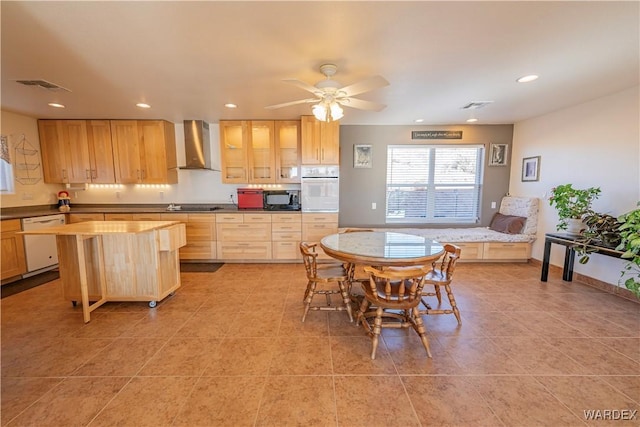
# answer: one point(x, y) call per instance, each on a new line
point(250, 198)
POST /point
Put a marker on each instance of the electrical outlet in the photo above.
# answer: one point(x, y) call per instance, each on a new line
point(161, 195)
point(27, 196)
point(373, 205)
point(493, 205)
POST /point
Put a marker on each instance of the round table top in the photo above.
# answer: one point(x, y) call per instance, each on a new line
point(382, 248)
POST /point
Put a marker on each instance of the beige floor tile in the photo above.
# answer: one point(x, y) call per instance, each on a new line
point(582, 394)
point(313, 326)
point(74, 401)
point(222, 401)
point(18, 393)
point(598, 358)
point(522, 401)
point(627, 385)
point(410, 357)
point(301, 356)
point(448, 401)
point(181, 357)
point(352, 355)
point(208, 324)
point(297, 401)
point(146, 401)
point(158, 324)
point(373, 401)
point(122, 357)
point(241, 356)
point(480, 356)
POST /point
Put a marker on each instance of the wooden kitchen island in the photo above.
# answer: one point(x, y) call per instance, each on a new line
point(103, 261)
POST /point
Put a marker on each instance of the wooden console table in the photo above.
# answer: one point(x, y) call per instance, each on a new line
point(569, 240)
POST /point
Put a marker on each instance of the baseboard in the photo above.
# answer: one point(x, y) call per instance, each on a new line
point(594, 283)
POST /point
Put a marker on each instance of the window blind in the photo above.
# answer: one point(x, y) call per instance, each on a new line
point(433, 183)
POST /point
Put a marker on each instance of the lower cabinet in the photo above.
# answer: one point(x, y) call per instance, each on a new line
point(244, 237)
point(13, 262)
point(317, 225)
point(470, 251)
point(286, 234)
point(82, 217)
point(201, 235)
point(494, 251)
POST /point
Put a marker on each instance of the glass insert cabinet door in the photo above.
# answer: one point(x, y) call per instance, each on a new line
point(287, 151)
point(233, 147)
point(262, 152)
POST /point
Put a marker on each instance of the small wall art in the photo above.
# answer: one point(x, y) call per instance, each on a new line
point(531, 168)
point(498, 154)
point(362, 155)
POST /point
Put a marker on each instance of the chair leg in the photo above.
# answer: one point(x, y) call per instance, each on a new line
point(418, 325)
point(364, 305)
point(346, 300)
point(377, 329)
point(309, 298)
point(438, 294)
point(452, 301)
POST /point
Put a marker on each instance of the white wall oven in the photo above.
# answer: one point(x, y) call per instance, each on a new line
point(320, 188)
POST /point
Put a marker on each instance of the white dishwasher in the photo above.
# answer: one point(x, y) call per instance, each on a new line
point(41, 251)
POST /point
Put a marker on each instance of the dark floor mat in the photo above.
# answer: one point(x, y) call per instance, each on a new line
point(28, 283)
point(200, 267)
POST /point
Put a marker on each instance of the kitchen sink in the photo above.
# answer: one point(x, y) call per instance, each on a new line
point(174, 208)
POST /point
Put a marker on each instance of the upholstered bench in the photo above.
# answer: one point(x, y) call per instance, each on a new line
point(497, 242)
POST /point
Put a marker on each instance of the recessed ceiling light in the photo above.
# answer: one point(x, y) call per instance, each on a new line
point(419, 120)
point(55, 105)
point(143, 105)
point(472, 120)
point(527, 79)
point(230, 105)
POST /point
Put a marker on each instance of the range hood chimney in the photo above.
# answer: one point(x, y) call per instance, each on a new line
point(197, 145)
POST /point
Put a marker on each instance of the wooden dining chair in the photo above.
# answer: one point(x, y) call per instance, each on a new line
point(320, 278)
point(441, 275)
point(391, 300)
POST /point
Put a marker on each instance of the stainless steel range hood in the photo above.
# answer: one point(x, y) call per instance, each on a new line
point(197, 145)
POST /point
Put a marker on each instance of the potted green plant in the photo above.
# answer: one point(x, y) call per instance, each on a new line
point(630, 233)
point(572, 205)
point(602, 230)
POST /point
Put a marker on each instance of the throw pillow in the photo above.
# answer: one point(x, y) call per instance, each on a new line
point(509, 224)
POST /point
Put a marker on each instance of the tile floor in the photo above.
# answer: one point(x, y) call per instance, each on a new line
point(228, 349)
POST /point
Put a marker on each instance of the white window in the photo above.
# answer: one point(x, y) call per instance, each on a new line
point(6, 170)
point(434, 183)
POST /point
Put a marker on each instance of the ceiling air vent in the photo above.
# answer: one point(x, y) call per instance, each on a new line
point(43, 84)
point(476, 104)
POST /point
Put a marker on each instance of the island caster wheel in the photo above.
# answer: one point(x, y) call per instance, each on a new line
point(152, 304)
point(74, 303)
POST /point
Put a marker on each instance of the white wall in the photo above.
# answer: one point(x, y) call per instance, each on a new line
point(14, 126)
point(595, 144)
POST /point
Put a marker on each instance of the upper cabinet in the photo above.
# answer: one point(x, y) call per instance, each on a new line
point(107, 152)
point(260, 151)
point(287, 151)
point(320, 142)
point(144, 151)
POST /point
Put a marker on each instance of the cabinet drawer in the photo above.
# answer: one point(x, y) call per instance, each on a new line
point(244, 232)
point(286, 226)
point(515, 251)
point(286, 250)
point(11, 225)
point(252, 218)
point(470, 251)
point(286, 236)
point(198, 250)
point(201, 231)
point(147, 217)
point(174, 217)
point(320, 217)
point(286, 217)
point(118, 217)
point(244, 250)
point(237, 218)
point(314, 232)
point(172, 237)
point(73, 218)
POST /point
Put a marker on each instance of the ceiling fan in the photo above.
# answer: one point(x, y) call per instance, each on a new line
point(330, 95)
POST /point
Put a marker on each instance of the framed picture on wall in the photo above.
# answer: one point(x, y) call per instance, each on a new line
point(531, 168)
point(362, 156)
point(498, 155)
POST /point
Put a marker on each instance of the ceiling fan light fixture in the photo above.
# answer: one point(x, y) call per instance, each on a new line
point(320, 112)
point(336, 111)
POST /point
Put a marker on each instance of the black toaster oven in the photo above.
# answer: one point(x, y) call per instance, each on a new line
point(282, 200)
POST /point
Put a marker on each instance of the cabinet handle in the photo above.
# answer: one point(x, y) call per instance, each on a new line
point(64, 174)
point(87, 173)
point(138, 172)
point(322, 156)
point(318, 153)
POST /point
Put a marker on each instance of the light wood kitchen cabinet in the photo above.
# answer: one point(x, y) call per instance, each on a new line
point(243, 237)
point(72, 218)
point(320, 142)
point(317, 225)
point(132, 217)
point(248, 151)
point(261, 153)
point(286, 234)
point(13, 262)
point(288, 157)
point(201, 235)
point(233, 150)
point(144, 151)
point(76, 151)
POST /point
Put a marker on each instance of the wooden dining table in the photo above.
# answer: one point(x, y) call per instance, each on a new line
point(382, 248)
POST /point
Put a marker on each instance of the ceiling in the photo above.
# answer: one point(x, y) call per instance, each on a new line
point(187, 59)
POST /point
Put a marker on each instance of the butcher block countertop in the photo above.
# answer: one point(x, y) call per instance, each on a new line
point(97, 228)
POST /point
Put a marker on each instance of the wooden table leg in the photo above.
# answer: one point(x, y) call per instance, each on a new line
point(82, 270)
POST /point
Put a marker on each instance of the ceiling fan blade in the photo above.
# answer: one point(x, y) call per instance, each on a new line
point(366, 85)
point(302, 85)
point(361, 104)
point(286, 104)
